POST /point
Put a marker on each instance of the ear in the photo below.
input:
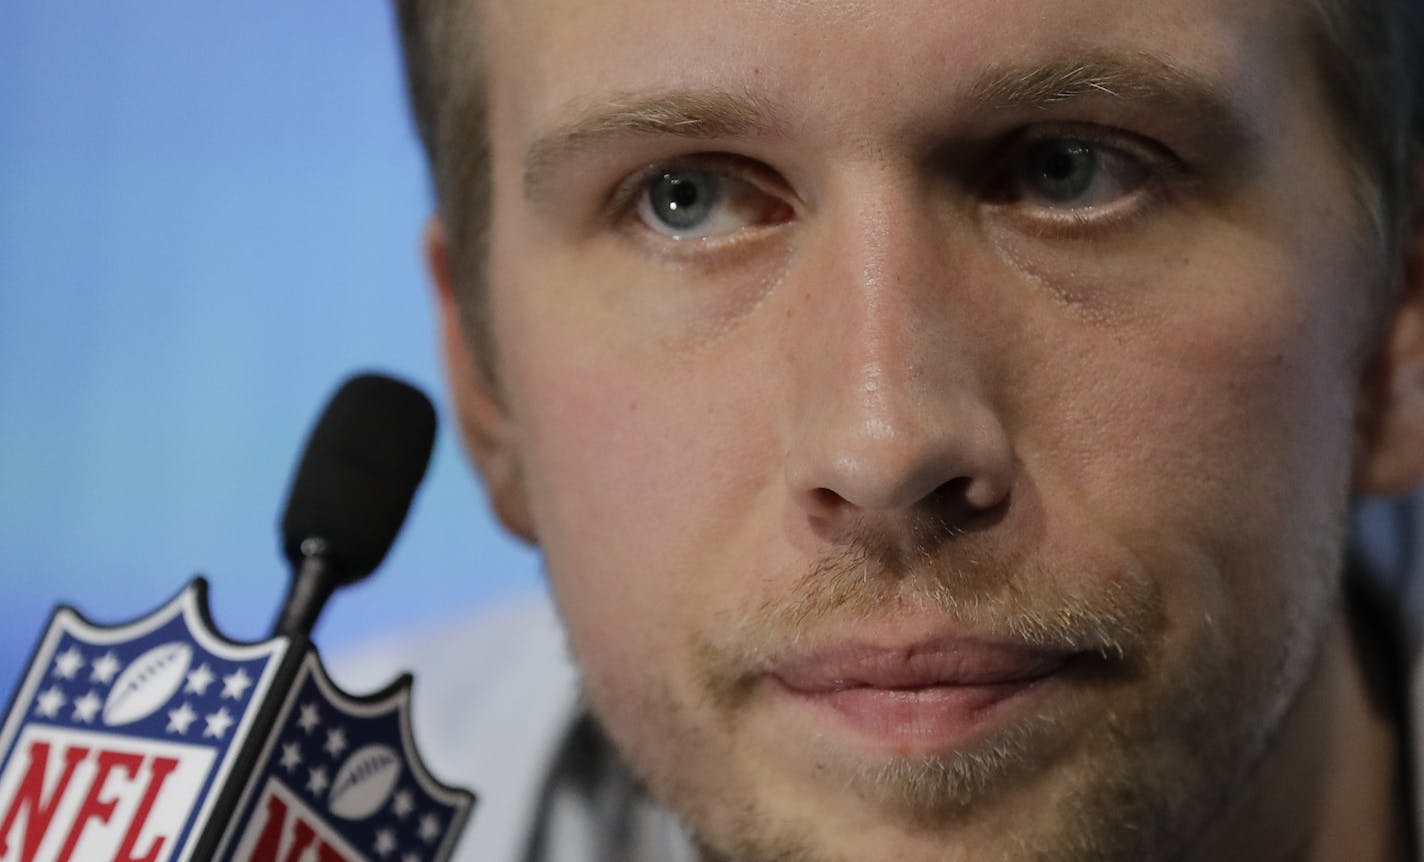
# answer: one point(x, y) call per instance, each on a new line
point(484, 423)
point(1390, 458)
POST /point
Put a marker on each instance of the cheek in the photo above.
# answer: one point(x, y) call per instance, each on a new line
point(641, 469)
point(1213, 441)
point(640, 490)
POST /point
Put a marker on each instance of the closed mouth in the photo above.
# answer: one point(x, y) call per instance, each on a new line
point(932, 696)
point(947, 662)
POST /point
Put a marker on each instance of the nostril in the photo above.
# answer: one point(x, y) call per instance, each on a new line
point(952, 503)
point(825, 501)
point(949, 507)
point(954, 492)
point(947, 493)
point(954, 470)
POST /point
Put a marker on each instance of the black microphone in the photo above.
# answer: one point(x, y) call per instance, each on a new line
point(350, 494)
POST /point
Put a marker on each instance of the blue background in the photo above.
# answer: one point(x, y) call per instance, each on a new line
point(209, 215)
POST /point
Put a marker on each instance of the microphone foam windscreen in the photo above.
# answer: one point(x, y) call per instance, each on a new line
point(362, 464)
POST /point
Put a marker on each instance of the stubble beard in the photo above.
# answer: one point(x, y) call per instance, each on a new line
point(1142, 783)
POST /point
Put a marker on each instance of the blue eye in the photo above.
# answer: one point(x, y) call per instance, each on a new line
point(1069, 173)
point(705, 203)
point(1060, 170)
point(683, 200)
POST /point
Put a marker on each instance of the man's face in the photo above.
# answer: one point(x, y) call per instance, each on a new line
point(937, 417)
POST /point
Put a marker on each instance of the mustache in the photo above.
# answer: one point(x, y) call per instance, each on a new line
point(968, 583)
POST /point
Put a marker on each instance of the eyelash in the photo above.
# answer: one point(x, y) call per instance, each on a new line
point(623, 199)
point(1162, 169)
point(620, 210)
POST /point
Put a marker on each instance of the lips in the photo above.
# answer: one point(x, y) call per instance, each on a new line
point(937, 694)
point(936, 663)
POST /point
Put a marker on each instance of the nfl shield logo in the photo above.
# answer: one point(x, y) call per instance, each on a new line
point(161, 741)
point(120, 740)
point(340, 781)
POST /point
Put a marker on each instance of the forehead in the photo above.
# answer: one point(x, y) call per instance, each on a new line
point(859, 63)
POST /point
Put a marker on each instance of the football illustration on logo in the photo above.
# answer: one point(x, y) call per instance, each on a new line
point(147, 684)
point(364, 782)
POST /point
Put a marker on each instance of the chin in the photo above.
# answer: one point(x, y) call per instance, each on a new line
point(1061, 773)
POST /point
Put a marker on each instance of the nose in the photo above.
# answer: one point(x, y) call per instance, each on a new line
point(892, 415)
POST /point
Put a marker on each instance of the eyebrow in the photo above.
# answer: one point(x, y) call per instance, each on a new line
point(1136, 79)
point(691, 114)
point(717, 114)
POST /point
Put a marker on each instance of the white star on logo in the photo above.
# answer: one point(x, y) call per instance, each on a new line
point(429, 828)
point(86, 707)
point(309, 719)
point(199, 679)
point(403, 804)
point(385, 842)
point(235, 684)
point(317, 783)
point(180, 718)
point(49, 703)
point(68, 663)
point(291, 756)
point(105, 668)
point(335, 742)
point(218, 723)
